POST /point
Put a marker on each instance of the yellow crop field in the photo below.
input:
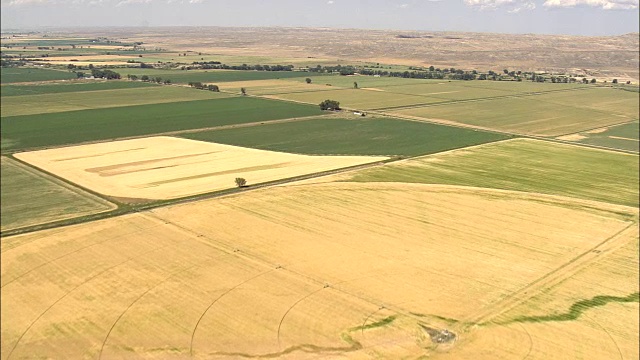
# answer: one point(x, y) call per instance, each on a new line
point(165, 167)
point(337, 270)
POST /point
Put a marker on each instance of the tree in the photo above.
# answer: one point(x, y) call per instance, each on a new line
point(214, 88)
point(615, 81)
point(330, 105)
point(243, 91)
point(241, 182)
point(355, 85)
point(80, 74)
point(593, 81)
point(144, 78)
point(133, 77)
point(308, 80)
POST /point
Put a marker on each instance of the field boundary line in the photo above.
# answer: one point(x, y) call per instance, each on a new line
point(555, 276)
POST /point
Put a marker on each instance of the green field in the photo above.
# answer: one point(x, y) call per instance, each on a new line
point(615, 103)
point(72, 127)
point(625, 137)
point(529, 115)
point(331, 136)
point(211, 76)
point(524, 165)
point(17, 75)
point(360, 99)
point(30, 197)
point(76, 86)
point(61, 102)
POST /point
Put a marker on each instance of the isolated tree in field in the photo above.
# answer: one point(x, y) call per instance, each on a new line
point(355, 85)
point(214, 88)
point(615, 81)
point(243, 91)
point(330, 105)
point(308, 80)
point(241, 182)
point(593, 81)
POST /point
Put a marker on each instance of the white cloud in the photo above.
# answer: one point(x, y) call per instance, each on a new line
point(403, 6)
point(512, 6)
point(330, 2)
point(604, 4)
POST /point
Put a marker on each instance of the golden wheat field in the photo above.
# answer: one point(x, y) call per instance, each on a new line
point(164, 167)
point(329, 270)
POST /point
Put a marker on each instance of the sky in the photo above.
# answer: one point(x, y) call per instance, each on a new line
point(572, 17)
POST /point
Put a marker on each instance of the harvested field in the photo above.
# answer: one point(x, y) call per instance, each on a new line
point(342, 269)
point(30, 197)
point(18, 75)
point(524, 165)
point(358, 98)
point(66, 128)
point(166, 168)
point(331, 136)
point(99, 99)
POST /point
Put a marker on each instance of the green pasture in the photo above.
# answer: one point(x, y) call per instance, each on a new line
point(75, 86)
point(624, 137)
point(210, 76)
point(526, 115)
point(524, 165)
point(29, 197)
point(356, 136)
point(72, 127)
point(615, 103)
point(97, 99)
point(270, 87)
point(359, 98)
point(17, 75)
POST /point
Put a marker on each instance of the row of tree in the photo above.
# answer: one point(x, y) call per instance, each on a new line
point(201, 86)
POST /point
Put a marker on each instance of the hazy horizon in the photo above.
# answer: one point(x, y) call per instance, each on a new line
point(544, 17)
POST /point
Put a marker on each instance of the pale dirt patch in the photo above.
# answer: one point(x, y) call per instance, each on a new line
point(293, 272)
point(623, 138)
point(572, 137)
point(597, 131)
point(372, 89)
point(82, 63)
point(166, 167)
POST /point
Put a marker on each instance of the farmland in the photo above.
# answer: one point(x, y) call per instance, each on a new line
point(624, 137)
point(525, 165)
point(18, 75)
point(354, 136)
point(99, 99)
point(165, 167)
point(66, 128)
point(358, 98)
point(282, 259)
point(76, 86)
point(454, 220)
point(30, 197)
point(213, 76)
point(525, 115)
